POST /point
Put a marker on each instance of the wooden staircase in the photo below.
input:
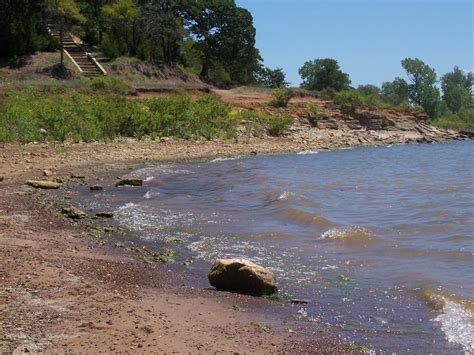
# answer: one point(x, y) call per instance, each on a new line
point(83, 60)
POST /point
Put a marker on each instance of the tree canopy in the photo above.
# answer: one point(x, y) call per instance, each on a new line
point(457, 89)
point(325, 73)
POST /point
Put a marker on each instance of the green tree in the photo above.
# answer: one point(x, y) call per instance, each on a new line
point(225, 36)
point(325, 73)
point(94, 26)
point(272, 78)
point(163, 28)
point(369, 89)
point(120, 19)
point(23, 30)
point(396, 91)
point(457, 89)
point(422, 90)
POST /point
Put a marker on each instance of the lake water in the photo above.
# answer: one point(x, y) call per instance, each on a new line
point(379, 239)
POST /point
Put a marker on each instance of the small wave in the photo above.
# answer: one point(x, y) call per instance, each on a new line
point(216, 160)
point(457, 238)
point(286, 195)
point(456, 319)
point(303, 217)
point(150, 194)
point(306, 152)
point(127, 206)
point(149, 178)
point(351, 235)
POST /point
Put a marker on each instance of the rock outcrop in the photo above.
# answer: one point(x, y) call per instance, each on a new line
point(242, 276)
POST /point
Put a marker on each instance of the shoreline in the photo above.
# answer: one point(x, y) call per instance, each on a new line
point(64, 292)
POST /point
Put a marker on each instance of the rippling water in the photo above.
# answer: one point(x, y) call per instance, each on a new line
point(380, 239)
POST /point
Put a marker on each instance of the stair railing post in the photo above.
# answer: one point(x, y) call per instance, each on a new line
point(62, 46)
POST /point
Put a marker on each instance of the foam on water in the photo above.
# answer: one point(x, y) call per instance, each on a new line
point(306, 152)
point(350, 235)
point(216, 160)
point(457, 322)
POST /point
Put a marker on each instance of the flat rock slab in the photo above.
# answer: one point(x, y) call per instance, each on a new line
point(44, 184)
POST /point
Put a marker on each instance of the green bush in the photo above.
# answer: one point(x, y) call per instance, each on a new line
point(348, 100)
point(328, 93)
point(275, 125)
point(80, 117)
point(32, 115)
point(109, 47)
point(281, 97)
point(461, 121)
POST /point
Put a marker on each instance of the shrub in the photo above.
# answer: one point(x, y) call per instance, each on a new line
point(281, 97)
point(256, 122)
point(460, 121)
point(278, 125)
point(348, 100)
point(328, 93)
point(109, 47)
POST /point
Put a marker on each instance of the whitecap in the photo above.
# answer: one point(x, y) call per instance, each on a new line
point(216, 160)
point(285, 195)
point(150, 194)
point(306, 152)
point(456, 323)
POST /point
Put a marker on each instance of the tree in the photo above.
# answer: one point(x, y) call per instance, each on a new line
point(457, 89)
point(272, 78)
point(369, 89)
point(422, 90)
point(94, 26)
point(396, 91)
point(23, 30)
point(225, 36)
point(162, 28)
point(325, 73)
point(119, 38)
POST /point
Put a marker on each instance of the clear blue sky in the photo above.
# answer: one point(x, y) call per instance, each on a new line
point(369, 38)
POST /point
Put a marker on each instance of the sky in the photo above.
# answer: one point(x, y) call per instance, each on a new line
point(368, 38)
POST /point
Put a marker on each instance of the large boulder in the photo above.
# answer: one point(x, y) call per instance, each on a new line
point(242, 276)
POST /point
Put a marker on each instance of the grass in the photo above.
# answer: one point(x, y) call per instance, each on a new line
point(98, 113)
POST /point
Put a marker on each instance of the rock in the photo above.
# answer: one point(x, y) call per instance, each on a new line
point(75, 176)
point(41, 184)
point(129, 182)
point(1, 178)
point(298, 301)
point(105, 214)
point(73, 212)
point(47, 172)
point(242, 276)
point(165, 139)
point(96, 188)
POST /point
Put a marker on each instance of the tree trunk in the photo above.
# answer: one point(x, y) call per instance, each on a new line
point(205, 68)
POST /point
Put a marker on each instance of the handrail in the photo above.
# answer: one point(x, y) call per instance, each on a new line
point(72, 60)
point(96, 63)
